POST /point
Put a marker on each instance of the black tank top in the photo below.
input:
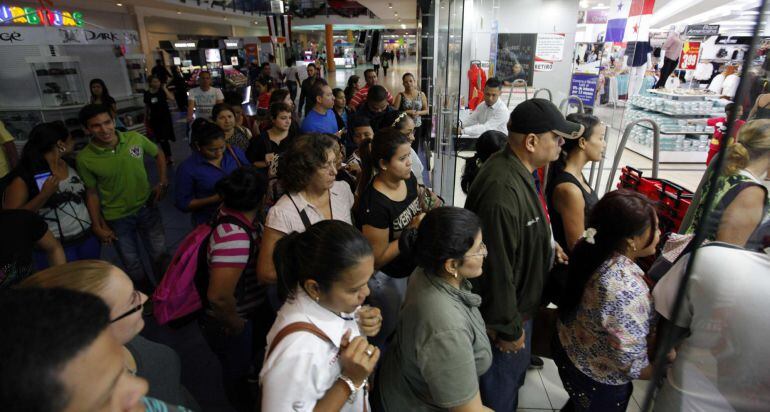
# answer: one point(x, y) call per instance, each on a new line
point(762, 112)
point(557, 223)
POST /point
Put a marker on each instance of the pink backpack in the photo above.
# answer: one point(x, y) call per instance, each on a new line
point(177, 295)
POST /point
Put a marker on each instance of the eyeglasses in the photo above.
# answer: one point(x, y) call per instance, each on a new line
point(482, 251)
point(138, 298)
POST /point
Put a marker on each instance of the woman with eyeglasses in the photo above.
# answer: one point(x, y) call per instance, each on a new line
point(318, 357)
point(157, 363)
point(212, 159)
point(440, 347)
point(307, 171)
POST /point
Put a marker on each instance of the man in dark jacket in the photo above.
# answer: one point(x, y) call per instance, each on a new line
point(518, 236)
point(306, 98)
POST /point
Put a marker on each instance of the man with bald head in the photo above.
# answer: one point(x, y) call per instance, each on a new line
point(518, 237)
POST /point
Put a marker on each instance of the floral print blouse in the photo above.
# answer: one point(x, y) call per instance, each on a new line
point(607, 337)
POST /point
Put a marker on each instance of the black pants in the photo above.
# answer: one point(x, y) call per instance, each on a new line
point(292, 89)
point(668, 67)
point(384, 71)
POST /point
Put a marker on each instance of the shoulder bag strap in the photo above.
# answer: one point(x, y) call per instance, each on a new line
point(232, 153)
point(302, 214)
point(296, 327)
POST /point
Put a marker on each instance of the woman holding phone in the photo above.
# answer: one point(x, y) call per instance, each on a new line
point(46, 183)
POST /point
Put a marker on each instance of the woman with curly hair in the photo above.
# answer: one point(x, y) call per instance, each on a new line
point(307, 171)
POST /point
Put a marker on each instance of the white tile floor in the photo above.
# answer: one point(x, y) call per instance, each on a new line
point(543, 391)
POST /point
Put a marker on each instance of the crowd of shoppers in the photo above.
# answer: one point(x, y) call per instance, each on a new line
point(331, 277)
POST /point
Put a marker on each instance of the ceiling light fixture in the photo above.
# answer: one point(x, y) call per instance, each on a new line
point(178, 12)
point(119, 4)
point(584, 4)
point(390, 5)
point(225, 18)
point(403, 26)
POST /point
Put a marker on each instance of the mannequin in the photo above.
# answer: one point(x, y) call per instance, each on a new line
point(637, 64)
point(723, 87)
point(672, 48)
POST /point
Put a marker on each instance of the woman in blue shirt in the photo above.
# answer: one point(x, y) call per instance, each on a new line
point(211, 160)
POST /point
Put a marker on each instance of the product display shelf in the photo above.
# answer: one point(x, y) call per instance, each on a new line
point(667, 156)
point(682, 121)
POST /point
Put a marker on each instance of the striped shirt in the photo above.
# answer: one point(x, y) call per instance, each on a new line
point(361, 95)
point(230, 246)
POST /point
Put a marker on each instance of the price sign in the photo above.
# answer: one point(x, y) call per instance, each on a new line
point(688, 59)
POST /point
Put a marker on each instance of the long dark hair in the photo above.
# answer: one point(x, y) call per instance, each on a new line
point(321, 253)
point(107, 100)
point(350, 87)
point(445, 233)
point(42, 139)
point(557, 166)
point(618, 216)
point(489, 143)
point(382, 147)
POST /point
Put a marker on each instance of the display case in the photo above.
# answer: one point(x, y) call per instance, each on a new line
point(137, 72)
point(59, 82)
point(681, 116)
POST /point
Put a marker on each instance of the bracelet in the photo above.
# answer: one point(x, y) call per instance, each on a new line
point(352, 386)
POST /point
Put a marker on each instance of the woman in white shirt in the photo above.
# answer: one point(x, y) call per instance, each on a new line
point(307, 171)
point(316, 358)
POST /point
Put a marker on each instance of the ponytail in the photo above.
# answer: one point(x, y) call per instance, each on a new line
point(367, 166)
point(322, 253)
point(489, 143)
point(753, 143)
point(619, 215)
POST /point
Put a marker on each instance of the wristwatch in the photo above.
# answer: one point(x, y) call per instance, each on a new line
point(352, 386)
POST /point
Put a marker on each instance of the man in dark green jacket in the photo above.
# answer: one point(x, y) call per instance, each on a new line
point(518, 237)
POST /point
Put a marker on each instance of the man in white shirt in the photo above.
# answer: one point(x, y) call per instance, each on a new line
point(722, 363)
point(492, 115)
point(203, 98)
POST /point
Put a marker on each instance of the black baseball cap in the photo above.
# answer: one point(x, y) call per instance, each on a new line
point(540, 116)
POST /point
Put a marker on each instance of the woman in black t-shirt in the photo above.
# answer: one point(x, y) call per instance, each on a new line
point(273, 141)
point(158, 115)
point(388, 204)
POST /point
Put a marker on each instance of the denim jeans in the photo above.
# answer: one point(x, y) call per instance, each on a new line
point(388, 294)
point(236, 355)
point(499, 386)
point(84, 249)
point(146, 224)
point(586, 394)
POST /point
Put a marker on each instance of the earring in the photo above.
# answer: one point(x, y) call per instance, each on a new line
point(454, 274)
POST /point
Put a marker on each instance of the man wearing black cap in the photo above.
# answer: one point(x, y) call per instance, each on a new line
point(518, 237)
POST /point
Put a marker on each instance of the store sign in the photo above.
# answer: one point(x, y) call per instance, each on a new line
point(688, 60)
point(584, 87)
point(596, 16)
point(231, 43)
point(54, 36)
point(702, 30)
point(186, 45)
point(550, 46)
point(543, 66)
point(39, 16)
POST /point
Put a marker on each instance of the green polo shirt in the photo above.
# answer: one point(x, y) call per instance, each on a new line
point(118, 174)
point(518, 238)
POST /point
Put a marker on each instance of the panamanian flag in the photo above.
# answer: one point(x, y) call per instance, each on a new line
point(617, 19)
point(638, 24)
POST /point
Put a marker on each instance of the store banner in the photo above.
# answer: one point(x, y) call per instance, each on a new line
point(584, 87)
point(702, 30)
point(60, 36)
point(688, 60)
point(595, 16)
point(550, 47)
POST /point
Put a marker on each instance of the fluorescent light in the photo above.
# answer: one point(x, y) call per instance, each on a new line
point(584, 4)
point(403, 26)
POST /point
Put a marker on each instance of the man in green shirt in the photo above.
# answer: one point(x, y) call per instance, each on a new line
point(517, 233)
point(119, 198)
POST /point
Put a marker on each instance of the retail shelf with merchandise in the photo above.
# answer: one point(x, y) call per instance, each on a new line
point(668, 125)
point(667, 156)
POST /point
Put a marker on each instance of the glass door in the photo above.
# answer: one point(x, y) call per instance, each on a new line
point(446, 93)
